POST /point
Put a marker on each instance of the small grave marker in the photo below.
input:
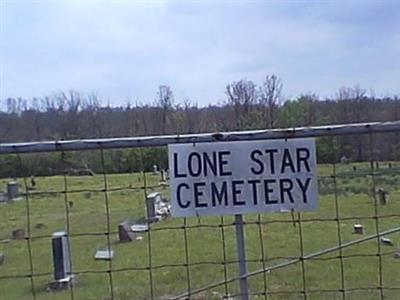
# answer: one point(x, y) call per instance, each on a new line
point(156, 207)
point(386, 241)
point(358, 229)
point(151, 201)
point(33, 181)
point(344, 160)
point(2, 258)
point(12, 190)
point(18, 234)
point(397, 253)
point(140, 227)
point(40, 226)
point(125, 232)
point(155, 170)
point(106, 254)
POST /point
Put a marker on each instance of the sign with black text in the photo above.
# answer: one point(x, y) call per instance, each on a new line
point(225, 178)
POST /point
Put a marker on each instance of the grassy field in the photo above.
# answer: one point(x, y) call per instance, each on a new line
point(280, 240)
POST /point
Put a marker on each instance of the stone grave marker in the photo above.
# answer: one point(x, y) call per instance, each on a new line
point(155, 170)
point(386, 241)
point(61, 262)
point(125, 232)
point(106, 254)
point(12, 190)
point(396, 254)
point(140, 228)
point(151, 201)
point(358, 228)
point(18, 234)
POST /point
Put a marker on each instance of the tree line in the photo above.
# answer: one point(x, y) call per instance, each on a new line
point(73, 115)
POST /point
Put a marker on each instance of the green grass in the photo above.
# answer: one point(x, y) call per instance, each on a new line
point(204, 244)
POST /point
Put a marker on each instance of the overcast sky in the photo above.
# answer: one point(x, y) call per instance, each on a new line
point(124, 49)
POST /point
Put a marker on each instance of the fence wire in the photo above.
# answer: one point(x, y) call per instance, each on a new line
point(289, 255)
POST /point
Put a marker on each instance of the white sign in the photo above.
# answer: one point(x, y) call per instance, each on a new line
point(224, 178)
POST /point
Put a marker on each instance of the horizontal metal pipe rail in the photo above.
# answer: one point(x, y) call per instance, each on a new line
point(154, 141)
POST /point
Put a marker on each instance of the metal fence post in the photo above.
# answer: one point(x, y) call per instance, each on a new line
point(241, 249)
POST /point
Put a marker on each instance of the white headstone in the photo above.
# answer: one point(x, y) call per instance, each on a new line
point(104, 254)
point(155, 170)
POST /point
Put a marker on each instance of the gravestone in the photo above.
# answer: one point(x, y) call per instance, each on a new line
point(163, 182)
point(2, 258)
point(61, 255)
point(344, 160)
point(40, 226)
point(386, 241)
point(33, 181)
point(151, 202)
point(104, 254)
point(125, 232)
point(12, 190)
point(358, 228)
point(155, 170)
point(157, 208)
point(396, 253)
point(139, 228)
point(18, 234)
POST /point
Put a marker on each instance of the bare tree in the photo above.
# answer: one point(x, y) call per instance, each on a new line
point(91, 102)
point(308, 108)
point(270, 98)
point(74, 101)
point(11, 104)
point(353, 109)
point(241, 95)
point(192, 118)
point(165, 101)
point(350, 103)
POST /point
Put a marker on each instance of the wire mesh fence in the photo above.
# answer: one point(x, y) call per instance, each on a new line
point(347, 249)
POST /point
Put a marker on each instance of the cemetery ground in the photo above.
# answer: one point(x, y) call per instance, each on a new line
point(280, 241)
